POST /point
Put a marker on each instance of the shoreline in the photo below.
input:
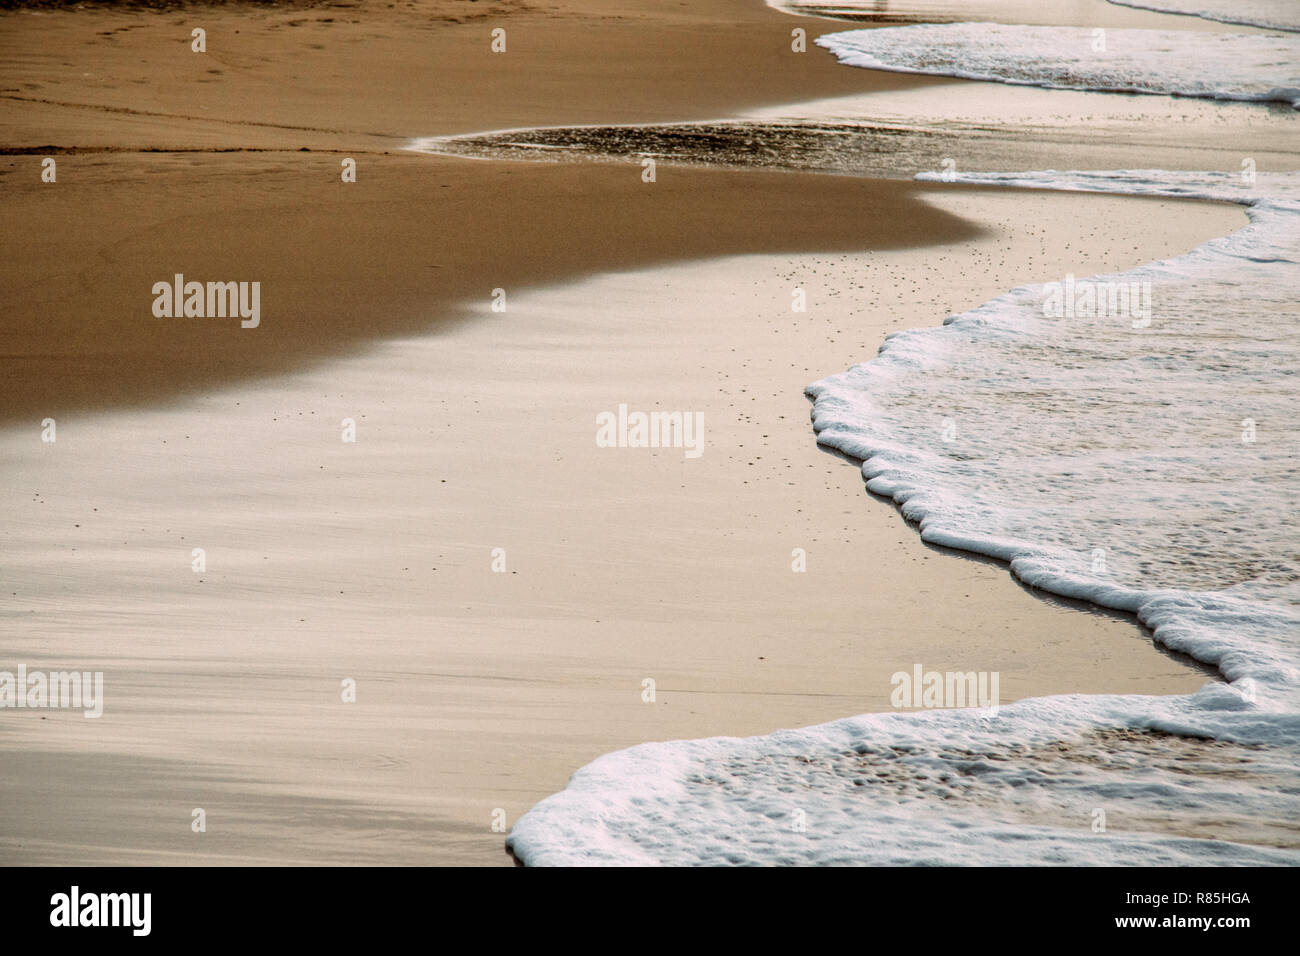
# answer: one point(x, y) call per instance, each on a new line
point(481, 690)
point(487, 690)
point(205, 210)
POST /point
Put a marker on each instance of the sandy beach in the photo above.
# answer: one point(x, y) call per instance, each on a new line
point(327, 561)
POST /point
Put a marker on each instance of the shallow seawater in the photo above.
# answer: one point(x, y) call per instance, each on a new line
point(1262, 67)
point(879, 150)
point(889, 12)
point(1211, 13)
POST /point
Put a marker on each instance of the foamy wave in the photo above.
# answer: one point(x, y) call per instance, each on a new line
point(1050, 443)
point(1120, 459)
point(1270, 14)
point(1221, 66)
point(944, 788)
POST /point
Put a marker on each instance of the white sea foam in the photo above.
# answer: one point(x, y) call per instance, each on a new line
point(930, 788)
point(1046, 442)
point(1258, 67)
point(1085, 435)
point(1272, 14)
point(930, 11)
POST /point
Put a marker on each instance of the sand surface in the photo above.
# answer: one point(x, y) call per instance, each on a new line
point(371, 561)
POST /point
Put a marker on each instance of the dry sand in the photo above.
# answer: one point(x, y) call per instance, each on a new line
point(325, 561)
